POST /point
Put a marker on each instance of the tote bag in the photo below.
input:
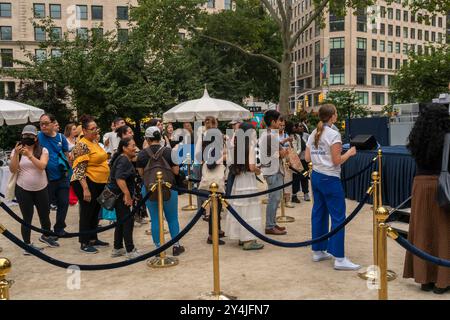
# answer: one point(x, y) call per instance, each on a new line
point(11, 187)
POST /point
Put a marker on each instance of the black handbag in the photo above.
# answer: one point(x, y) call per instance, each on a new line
point(443, 191)
point(107, 199)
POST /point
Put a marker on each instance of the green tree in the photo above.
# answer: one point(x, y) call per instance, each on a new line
point(424, 77)
point(281, 12)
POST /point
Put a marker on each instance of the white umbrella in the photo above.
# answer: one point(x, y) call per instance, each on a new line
point(199, 109)
point(13, 112)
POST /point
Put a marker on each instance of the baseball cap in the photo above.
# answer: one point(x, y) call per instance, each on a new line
point(150, 131)
point(235, 120)
point(30, 129)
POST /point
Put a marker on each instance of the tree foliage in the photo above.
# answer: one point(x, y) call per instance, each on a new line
point(424, 77)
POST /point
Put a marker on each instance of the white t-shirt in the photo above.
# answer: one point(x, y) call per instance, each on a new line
point(270, 162)
point(321, 156)
point(113, 141)
point(29, 177)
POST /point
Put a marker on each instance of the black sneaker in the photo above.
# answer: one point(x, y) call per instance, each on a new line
point(99, 243)
point(88, 249)
point(61, 233)
point(427, 286)
point(437, 290)
point(295, 199)
point(209, 241)
point(177, 250)
point(50, 241)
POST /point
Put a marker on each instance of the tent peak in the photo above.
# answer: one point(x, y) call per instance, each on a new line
point(205, 93)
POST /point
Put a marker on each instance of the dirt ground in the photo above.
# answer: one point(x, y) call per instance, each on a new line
point(271, 273)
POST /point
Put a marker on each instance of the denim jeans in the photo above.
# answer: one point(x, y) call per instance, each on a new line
point(273, 181)
point(329, 200)
point(59, 190)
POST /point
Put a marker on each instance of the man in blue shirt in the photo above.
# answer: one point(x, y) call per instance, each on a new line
point(58, 181)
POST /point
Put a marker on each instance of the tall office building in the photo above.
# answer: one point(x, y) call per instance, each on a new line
point(360, 52)
point(17, 29)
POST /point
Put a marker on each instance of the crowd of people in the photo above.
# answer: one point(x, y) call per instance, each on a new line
point(77, 166)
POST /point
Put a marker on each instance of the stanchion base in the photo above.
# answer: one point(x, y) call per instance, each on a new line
point(371, 275)
point(158, 262)
point(285, 219)
point(265, 201)
point(214, 296)
point(189, 208)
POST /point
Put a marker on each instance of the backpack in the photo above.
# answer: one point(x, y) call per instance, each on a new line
point(157, 163)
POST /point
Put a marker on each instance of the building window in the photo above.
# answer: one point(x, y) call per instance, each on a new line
point(382, 28)
point(97, 32)
point(336, 23)
point(389, 63)
point(11, 86)
point(427, 36)
point(40, 55)
point(122, 35)
point(337, 61)
point(378, 79)
point(211, 4)
point(82, 12)
point(412, 33)
point(374, 44)
point(390, 13)
point(56, 33)
point(374, 62)
point(397, 47)
point(398, 31)
point(382, 43)
point(361, 61)
point(97, 12)
point(82, 33)
point(55, 11)
point(361, 20)
point(419, 49)
point(433, 21)
point(440, 22)
point(5, 10)
point(7, 58)
point(419, 34)
point(405, 48)
point(390, 46)
point(378, 98)
point(405, 32)
point(228, 4)
point(398, 14)
point(363, 97)
point(381, 62)
point(390, 30)
point(397, 64)
point(56, 53)
point(39, 10)
point(383, 12)
point(433, 36)
point(405, 16)
point(6, 33)
point(39, 34)
point(122, 13)
point(413, 17)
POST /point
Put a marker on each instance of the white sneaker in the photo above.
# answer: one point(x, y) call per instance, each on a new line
point(118, 253)
point(345, 264)
point(321, 255)
point(133, 254)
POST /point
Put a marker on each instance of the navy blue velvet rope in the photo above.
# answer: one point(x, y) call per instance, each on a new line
point(422, 254)
point(97, 267)
point(298, 244)
point(13, 215)
point(360, 172)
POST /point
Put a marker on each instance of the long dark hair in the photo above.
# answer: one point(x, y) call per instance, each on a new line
point(122, 131)
point(122, 144)
point(236, 168)
point(426, 139)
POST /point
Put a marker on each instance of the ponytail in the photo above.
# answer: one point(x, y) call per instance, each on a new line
point(319, 132)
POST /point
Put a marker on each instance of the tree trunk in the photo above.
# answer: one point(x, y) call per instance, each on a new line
point(285, 84)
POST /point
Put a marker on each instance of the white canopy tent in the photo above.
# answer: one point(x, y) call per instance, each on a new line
point(13, 113)
point(199, 109)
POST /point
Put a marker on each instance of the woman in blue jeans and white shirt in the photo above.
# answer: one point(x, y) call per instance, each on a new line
point(324, 149)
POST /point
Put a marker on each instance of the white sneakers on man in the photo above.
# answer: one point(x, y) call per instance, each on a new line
point(321, 255)
point(345, 264)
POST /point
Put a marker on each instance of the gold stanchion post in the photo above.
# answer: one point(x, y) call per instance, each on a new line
point(190, 206)
point(370, 273)
point(162, 261)
point(382, 227)
point(284, 218)
point(310, 169)
point(5, 268)
point(216, 294)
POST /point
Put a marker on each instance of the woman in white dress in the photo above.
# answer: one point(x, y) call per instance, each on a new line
point(250, 209)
